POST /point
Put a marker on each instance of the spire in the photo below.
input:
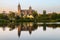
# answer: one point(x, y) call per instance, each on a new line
point(19, 7)
point(30, 10)
point(30, 7)
point(18, 4)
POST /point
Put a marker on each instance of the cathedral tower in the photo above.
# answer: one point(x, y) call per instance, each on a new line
point(19, 9)
point(30, 10)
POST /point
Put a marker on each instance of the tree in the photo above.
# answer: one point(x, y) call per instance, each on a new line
point(35, 15)
point(54, 16)
point(11, 16)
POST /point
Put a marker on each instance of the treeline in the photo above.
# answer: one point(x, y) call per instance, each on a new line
point(11, 17)
point(49, 17)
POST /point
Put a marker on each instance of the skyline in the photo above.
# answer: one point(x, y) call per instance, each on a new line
point(38, 5)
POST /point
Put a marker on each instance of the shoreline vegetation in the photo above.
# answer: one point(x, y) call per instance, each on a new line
point(34, 17)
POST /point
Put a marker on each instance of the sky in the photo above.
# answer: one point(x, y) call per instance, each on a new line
point(38, 5)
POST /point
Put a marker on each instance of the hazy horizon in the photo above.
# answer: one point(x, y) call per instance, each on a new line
point(38, 5)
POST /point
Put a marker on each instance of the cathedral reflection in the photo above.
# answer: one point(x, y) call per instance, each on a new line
point(26, 27)
point(31, 26)
point(19, 30)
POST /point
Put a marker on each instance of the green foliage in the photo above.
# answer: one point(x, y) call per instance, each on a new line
point(35, 14)
point(11, 16)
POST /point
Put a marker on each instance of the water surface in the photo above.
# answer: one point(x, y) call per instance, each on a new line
point(30, 31)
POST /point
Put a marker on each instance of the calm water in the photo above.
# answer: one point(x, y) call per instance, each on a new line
point(30, 31)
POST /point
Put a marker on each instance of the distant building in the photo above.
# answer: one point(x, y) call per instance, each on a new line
point(24, 12)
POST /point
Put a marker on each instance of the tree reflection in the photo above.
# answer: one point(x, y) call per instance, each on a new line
point(3, 28)
point(11, 26)
point(44, 26)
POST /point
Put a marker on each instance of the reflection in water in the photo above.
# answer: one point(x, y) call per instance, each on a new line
point(19, 30)
point(3, 28)
point(44, 26)
point(28, 27)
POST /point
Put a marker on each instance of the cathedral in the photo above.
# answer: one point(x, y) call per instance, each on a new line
point(24, 12)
